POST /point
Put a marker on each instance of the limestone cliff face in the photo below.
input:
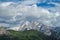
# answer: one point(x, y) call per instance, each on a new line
point(2, 30)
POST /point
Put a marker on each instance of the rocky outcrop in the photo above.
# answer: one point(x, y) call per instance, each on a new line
point(2, 30)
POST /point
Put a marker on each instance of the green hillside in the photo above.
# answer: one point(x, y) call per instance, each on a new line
point(25, 35)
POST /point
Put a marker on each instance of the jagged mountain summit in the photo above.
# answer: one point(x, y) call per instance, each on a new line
point(32, 25)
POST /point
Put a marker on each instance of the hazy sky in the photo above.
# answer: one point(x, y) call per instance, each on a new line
point(15, 12)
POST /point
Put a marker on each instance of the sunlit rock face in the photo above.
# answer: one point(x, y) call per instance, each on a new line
point(27, 25)
point(14, 28)
point(2, 30)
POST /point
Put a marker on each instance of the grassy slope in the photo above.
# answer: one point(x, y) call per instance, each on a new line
point(25, 35)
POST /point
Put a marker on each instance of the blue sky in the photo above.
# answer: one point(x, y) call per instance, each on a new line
point(23, 0)
point(11, 0)
point(15, 12)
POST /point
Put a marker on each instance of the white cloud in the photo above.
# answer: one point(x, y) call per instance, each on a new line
point(57, 14)
point(5, 4)
point(12, 10)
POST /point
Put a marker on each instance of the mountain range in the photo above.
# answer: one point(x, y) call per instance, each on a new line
point(32, 25)
point(53, 32)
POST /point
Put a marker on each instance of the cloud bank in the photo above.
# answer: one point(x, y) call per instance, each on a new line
point(14, 13)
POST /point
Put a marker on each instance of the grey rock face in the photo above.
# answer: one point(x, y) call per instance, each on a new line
point(2, 30)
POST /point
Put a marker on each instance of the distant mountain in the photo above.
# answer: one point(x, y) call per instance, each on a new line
point(26, 25)
point(56, 32)
point(57, 29)
point(32, 25)
point(44, 33)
